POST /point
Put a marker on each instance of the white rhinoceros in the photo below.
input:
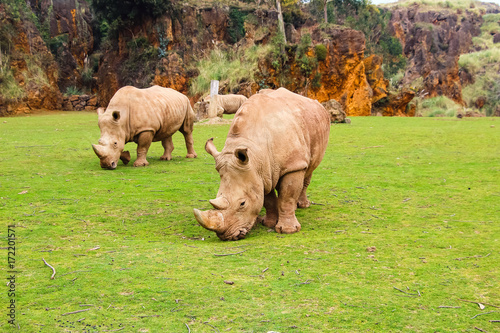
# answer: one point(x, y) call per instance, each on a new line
point(275, 142)
point(143, 116)
point(225, 104)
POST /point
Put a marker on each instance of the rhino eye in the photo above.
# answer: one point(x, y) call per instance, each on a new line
point(242, 204)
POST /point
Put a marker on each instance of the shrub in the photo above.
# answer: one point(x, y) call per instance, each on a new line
point(316, 81)
point(236, 28)
point(8, 85)
point(72, 90)
point(321, 52)
point(440, 106)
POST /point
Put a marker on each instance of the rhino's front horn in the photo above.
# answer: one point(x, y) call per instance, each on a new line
point(219, 203)
point(97, 150)
point(210, 148)
point(209, 219)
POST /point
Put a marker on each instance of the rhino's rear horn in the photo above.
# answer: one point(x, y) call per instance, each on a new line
point(210, 148)
point(219, 203)
point(97, 150)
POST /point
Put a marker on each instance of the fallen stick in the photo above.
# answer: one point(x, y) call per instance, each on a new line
point(215, 328)
point(68, 313)
point(477, 328)
point(464, 300)
point(189, 330)
point(448, 307)
point(480, 314)
point(53, 269)
point(114, 330)
point(406, 292)
point(228, 254)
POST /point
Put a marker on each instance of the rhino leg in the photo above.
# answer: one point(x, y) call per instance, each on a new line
point(144, 140)
point(188, 137)
point(303, 202)
point(289, 189)
point(271, 205)
point(168, 145)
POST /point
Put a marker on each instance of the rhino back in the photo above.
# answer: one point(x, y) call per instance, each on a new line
point(157, 109)
point(290, 130)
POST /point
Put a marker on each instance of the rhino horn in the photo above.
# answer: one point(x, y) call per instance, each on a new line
point(98, 150)
point(219, 203)
point(210, 148)
point(209, 219)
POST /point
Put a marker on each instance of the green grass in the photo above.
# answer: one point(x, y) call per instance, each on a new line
point(424, 191)
point(440, 106)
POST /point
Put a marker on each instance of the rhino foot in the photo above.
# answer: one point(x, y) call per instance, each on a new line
point(268, 221)
point(140, 163)
point(165, 158)
point(303, 203)
point(288, 225)
point(191, 155)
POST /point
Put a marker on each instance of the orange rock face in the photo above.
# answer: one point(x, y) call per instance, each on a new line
point(433, 42)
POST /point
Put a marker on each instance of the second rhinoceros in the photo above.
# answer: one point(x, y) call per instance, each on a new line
point(274, 144)
point(143, 116)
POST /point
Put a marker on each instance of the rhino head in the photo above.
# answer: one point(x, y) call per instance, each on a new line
point(112, 141)
point(240, 196)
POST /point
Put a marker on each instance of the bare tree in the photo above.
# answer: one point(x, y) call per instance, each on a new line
point(325, 11)
point(280, 19)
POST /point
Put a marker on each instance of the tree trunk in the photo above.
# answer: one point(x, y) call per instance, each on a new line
point(325, 11)
point(280, 19)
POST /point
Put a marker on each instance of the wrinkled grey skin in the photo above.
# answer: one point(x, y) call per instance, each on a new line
point(143, 116)
point(274, 144)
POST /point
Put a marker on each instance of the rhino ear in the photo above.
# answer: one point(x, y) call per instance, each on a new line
point(116, 115)
point(100, 111)
point(210, 148)
point(242, 155)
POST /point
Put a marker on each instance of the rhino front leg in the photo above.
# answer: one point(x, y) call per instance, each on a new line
point(303, 202)
point(271, 206)
point(188, 137)
point(289, 189)
point(168, 145)
point(143, 142)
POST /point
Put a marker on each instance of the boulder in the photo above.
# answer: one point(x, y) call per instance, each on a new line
point(335, 110)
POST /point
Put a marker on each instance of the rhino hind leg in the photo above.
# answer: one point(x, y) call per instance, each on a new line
point(271, 206)
point(188, 137)
point(303, 202)
point(289, 189)
point(143, 142)
point(168, 145)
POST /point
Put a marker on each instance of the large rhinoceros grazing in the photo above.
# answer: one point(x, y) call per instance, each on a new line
point(143, 116)
point(274, 144)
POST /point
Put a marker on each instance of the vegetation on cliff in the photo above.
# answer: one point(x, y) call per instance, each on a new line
point(185, 44)
point(483, 66)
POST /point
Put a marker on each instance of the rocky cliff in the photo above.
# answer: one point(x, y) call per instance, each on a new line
point(433, 42)
point(165, 50)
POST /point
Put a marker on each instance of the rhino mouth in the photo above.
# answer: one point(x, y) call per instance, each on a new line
point(237, 235)
point(110, 166)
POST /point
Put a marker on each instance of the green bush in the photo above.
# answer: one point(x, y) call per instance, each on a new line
point(440, 106)
point(72, 90)
point(128, 11)
point(321, 52)
point(316, 81)
point(236, 25)
point(9, 88)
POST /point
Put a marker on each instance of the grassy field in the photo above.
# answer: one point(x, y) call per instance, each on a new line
point(405, 229)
